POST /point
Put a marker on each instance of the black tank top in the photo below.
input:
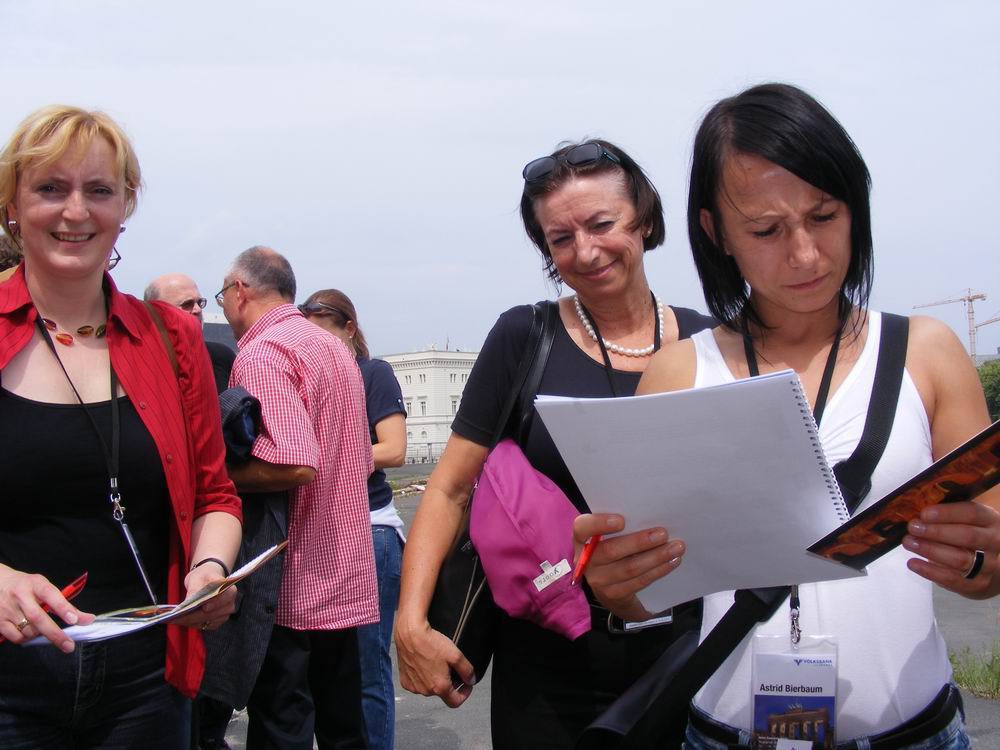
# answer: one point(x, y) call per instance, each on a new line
point(55, 517)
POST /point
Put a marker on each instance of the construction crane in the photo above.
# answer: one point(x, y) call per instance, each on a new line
point(968, 298)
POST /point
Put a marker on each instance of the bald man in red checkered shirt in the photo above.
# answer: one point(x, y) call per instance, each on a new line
point(314, 441)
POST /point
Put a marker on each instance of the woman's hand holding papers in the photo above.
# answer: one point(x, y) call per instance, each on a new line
point(623, 565)
point(213, 613)
point(949, 536)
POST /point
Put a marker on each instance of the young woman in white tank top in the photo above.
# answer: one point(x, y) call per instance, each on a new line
point(786, 262)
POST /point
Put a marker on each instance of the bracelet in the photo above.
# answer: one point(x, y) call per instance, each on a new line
point(217, 561)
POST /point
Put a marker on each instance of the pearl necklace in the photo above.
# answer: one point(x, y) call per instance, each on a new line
point(624, 351)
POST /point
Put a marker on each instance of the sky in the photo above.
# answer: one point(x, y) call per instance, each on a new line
point(379, 146)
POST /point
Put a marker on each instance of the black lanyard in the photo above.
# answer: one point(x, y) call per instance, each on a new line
point(111, 457)
point(608, 370)
point(824, 383)
point(818, 409)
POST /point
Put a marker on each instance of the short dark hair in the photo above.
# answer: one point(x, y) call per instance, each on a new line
point(266, 270)
point(786, 126)
point(645, 198)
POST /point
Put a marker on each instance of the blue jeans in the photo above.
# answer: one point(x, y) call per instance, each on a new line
point(378, 702)
point(952, 737)
point(104, 695)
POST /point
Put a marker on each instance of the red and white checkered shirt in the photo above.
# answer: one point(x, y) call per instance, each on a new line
point(313, 413)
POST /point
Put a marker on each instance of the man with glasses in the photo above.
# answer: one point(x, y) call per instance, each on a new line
point(181, 291)
point(314, 442)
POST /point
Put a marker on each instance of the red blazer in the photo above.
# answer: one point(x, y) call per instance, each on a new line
point(183, 420)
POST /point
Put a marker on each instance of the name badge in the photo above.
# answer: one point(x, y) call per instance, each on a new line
point(794, 693)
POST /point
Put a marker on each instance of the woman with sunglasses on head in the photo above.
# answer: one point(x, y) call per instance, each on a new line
point(592, 213)
point(333, 311)
point(780, 229)
point(113, 462)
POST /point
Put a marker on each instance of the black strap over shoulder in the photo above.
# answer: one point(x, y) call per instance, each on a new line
point(643, 721)
point(854, 475)
point(548, 313)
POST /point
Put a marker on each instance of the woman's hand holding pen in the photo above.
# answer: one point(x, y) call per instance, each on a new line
point(25, 600)
point(623, 565)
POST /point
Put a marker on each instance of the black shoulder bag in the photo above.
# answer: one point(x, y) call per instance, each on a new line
point(462, 606)
point(653, 711)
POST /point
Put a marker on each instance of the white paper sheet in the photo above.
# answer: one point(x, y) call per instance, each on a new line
point(730, 469)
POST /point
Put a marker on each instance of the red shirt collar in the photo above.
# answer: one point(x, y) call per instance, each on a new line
point(14, 297)
point(268, 319)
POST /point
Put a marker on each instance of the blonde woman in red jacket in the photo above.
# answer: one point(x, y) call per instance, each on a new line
point(98, 433)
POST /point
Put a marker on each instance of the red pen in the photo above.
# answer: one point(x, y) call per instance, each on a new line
point(585, 555)
point(68, 593)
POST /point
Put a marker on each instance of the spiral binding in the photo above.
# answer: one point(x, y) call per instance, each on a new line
point(812, 430)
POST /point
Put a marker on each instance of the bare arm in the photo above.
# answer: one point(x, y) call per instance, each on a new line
point(390, 446)
point(948, 535)
point(260, 476)
point(425, 655)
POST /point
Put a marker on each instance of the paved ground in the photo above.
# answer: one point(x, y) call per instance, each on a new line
point(427, 724)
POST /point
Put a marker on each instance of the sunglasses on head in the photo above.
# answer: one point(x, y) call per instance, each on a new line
point(189, 304)
point(579, 156)
point(320, 308)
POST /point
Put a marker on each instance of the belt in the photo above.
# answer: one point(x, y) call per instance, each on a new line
point(933, 719)
point(602, 620)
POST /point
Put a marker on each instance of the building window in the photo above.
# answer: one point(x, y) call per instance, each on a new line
point(453, 377)
point(409, 407)
point(423, 408)
point(409, 435)
point(454, 405)
point(408, 380)
point(423, 378)
point(464, 376)
point(423, 434)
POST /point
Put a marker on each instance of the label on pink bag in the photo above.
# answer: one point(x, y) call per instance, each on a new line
point(551, 573)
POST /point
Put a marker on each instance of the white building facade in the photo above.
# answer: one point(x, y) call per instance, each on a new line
point(432, 382)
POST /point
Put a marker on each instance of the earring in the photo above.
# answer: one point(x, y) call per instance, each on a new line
point(647, 233)
point(121, 229)
point(12, 224)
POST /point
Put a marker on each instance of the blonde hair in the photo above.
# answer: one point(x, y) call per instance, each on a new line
point(48, 133)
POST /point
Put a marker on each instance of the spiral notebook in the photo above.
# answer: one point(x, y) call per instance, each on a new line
point(736, 470)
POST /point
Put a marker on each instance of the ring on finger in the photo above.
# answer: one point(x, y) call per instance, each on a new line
point(978, 558)
point(22, 624)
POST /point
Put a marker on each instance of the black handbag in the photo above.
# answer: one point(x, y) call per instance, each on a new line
point(462, 606)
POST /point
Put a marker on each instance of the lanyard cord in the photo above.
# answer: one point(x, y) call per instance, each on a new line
point(111, 457)
point(821, 397)
point(608, 370)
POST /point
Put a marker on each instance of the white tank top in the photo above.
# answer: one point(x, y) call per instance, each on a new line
point(893, 660)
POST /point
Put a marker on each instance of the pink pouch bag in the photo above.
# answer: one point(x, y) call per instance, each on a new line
point(522, 527)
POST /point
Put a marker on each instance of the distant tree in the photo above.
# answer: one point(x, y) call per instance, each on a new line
point(989, 375)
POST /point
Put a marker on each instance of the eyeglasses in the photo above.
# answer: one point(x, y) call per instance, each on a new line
point(219, 297)
point(188, 305)
point(320, 308)
point(114, 259)
point(578, 156)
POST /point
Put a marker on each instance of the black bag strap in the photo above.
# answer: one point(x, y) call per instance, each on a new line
point(854, 475)
point(529, 371)
point(759, 605)
point(525, 404)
